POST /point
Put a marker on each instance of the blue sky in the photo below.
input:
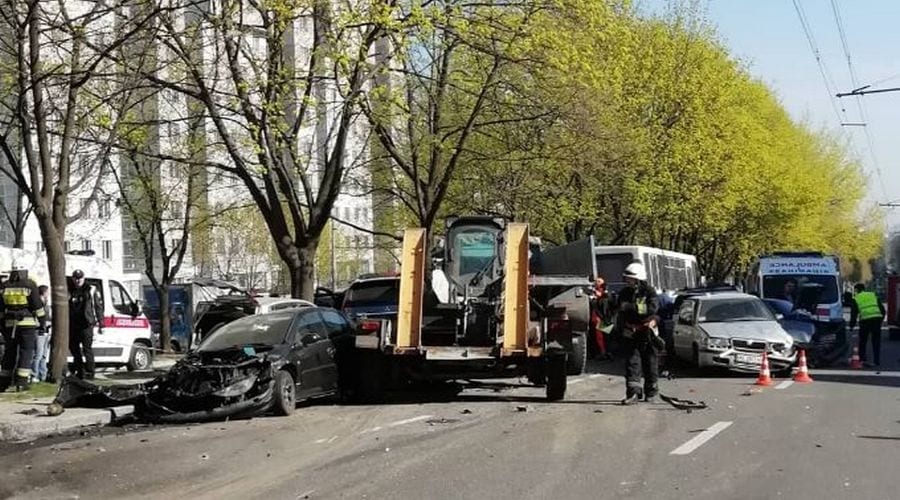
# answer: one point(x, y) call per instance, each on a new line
point(768, 37)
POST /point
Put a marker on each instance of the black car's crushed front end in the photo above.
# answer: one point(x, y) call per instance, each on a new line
point(201, 386)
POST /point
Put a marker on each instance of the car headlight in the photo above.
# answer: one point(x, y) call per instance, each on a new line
point(236, 389)
point(718, 343)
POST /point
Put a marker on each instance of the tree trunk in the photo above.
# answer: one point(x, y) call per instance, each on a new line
point(303, 271)
point(165, 318)
point(56, 263)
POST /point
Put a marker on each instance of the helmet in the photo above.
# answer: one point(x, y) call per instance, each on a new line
point(78, 274)
point(636, 270)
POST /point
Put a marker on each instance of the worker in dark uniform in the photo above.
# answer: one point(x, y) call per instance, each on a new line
point(867, 307)
point(638, 306)
point(85, 313)
point(23, 314)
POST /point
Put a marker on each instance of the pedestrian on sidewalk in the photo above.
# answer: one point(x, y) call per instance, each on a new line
point(638, 306)
point(867, 307)
point(85, 313)
point(42, 350)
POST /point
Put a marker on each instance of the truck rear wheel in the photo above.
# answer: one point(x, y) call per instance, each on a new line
point(555, 365)
point(577, 358)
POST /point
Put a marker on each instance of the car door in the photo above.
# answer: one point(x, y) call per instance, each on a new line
point(309, 341)
point(341, 338)
point(684, 328)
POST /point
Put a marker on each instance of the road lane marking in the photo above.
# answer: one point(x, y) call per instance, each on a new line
point(409, 420)
point(596, 375)
point(576, 381)
point(701, 439)
point(785, 384)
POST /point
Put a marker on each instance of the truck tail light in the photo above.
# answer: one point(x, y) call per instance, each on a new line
point(369, 326)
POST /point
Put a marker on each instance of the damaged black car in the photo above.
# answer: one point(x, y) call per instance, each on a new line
point(251, 366)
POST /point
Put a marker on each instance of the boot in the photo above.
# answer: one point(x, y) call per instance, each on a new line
point(22, 384)
point(630, 400)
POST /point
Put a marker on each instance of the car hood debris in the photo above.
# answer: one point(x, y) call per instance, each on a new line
point(202, 386)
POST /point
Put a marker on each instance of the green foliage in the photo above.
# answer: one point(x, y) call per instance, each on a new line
point(653, 134)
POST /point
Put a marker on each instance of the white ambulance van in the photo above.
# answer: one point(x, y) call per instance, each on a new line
point(784, 275)
point(126, 337)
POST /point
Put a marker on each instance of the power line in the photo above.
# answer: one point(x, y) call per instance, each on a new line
point(863, 112)
point(823, 70)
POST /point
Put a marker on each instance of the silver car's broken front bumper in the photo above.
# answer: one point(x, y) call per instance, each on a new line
point(746, 362)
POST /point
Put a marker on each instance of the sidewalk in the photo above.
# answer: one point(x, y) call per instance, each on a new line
point(23, 417)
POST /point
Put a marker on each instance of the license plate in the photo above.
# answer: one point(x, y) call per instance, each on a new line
point(750, 359)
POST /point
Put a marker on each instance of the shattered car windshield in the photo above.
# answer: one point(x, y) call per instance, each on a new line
point(266, 329)
point(727, 310)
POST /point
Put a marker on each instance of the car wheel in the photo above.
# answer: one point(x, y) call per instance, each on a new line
point(556, 376)
point(285, 395)
point(578, 355)
point(141, 359)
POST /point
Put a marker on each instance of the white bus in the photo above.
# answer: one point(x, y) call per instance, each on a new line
point(667, 271)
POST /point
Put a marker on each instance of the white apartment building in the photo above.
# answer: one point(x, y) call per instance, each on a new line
point(102, 228)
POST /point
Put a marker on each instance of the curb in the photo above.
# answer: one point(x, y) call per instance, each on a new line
point(23, 428)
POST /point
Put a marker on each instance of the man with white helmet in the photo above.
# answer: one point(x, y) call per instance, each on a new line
point(638, 305)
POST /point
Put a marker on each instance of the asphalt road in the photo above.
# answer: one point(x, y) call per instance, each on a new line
point(836, 438)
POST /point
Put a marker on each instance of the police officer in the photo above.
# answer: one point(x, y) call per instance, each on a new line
point(85, 313)
point(638, 305)
point(23, 314)
point(870, 312)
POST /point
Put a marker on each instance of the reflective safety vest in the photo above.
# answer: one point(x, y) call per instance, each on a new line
point(19, 307)
point(867, 302)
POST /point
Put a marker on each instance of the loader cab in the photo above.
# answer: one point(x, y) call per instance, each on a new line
point(473, 250)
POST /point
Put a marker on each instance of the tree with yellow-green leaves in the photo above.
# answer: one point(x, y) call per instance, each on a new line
point(655, 135)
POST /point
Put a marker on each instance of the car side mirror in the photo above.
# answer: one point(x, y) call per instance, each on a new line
point(135, 309)
point(779, 316)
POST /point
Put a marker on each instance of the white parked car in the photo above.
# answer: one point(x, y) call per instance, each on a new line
point(731, 330)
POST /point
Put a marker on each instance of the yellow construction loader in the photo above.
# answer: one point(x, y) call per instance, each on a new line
point(478, 314)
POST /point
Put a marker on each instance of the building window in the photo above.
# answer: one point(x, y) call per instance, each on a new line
point(86, 206)
point(346, 213)
point(86, 245)
point(359, 214)
point(68, 246)
point(41, 247)
point(107, 249)
point(176, 242)
point(103, 208)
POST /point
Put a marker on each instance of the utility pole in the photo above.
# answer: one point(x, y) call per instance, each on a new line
point(863, 91)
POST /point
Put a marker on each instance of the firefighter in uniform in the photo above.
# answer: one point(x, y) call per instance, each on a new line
point(638, 306)
point(23, 314)
point(870, 311)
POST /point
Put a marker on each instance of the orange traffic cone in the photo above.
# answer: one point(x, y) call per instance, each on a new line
point(855, 362)
point(765, 378)
point(802, 375)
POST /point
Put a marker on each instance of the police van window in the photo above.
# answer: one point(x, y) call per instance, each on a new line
point(121, 302)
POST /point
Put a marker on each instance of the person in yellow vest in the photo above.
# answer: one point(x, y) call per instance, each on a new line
point(23, 315)
point(870, 311)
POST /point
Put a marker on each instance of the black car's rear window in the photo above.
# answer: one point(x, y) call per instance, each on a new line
point(382, 292)
point(266, 329)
